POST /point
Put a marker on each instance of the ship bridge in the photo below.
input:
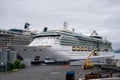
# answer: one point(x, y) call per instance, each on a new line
point(48, 39)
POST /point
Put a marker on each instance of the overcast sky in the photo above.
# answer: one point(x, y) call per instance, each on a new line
point(83, 15)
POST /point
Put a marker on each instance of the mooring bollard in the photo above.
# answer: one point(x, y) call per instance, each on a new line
point(70, 75)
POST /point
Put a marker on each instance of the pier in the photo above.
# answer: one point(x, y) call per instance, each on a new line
point(45, 72)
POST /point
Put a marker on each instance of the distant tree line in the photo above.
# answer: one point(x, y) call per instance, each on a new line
point(117, 51)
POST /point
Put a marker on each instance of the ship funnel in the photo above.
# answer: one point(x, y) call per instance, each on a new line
point(65, 25)
point(45, 29)
point(73, 29)
point(26, 27)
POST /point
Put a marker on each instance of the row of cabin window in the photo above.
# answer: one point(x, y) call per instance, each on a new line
point(33, 49)
point(50, 37)
point(44, 42)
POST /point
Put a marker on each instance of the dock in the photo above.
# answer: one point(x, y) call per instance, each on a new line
point(53, 72)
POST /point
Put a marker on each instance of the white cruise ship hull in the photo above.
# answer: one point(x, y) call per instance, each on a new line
point(31, 52)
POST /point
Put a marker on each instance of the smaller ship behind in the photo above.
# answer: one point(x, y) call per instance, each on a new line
point(16, 36)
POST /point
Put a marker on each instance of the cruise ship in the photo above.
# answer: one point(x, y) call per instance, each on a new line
point(15, 37)
point(65, 45)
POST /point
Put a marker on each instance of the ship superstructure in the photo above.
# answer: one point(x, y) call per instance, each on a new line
point(78, 42)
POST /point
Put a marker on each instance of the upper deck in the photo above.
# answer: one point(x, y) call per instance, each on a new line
point(70, 33)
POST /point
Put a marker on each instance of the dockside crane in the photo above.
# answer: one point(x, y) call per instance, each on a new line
point(88, 64)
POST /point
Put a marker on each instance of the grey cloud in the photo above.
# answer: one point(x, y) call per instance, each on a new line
point(83, 15)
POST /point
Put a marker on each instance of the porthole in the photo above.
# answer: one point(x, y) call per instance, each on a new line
point(25, 49)
point(40, 49)
point(34, 49)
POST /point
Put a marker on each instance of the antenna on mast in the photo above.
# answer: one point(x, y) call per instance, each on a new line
point(65, 25)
